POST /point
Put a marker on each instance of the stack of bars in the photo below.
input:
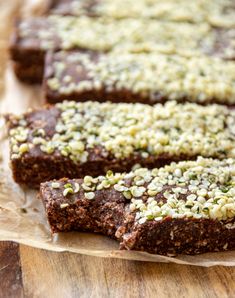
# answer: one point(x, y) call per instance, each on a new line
point(138, 142)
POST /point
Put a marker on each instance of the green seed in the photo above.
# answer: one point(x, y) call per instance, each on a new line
point(67, 191)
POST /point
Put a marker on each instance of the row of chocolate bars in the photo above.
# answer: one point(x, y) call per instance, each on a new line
point(135, 84)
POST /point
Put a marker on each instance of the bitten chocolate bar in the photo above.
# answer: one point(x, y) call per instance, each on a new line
point(183, 208)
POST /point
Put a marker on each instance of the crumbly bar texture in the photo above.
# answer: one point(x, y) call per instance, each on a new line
point(76, 139)
point(35, 36)
point(145, 78)
point(182, 208)
point(218, 13)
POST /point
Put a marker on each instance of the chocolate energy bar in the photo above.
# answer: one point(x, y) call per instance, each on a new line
point(182, 208)
point(76, 139)
point(145, 78)
point(34, 37)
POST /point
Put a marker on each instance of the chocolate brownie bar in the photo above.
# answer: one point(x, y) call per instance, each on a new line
point(76, 139)
point(216, 12)
point(183, 208)
point(145, 78)
point(34, 37)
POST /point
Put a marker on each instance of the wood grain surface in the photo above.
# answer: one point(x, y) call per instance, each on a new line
point(75, 275)
point(10, 270)
point(29, 272)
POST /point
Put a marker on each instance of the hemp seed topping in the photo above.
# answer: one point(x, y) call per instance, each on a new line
point(105, 34)
point(89, 195)
point(90, 138)
point(124, 130)
point(216, 12)
point(62, 206)
point(154, 76)
point(55, 185)
point(213, 197)
point(215, 203)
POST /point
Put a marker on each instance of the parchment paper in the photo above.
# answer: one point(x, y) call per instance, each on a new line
point(22, 217)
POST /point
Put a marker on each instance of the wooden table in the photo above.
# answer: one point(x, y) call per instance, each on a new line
point(30, 272)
